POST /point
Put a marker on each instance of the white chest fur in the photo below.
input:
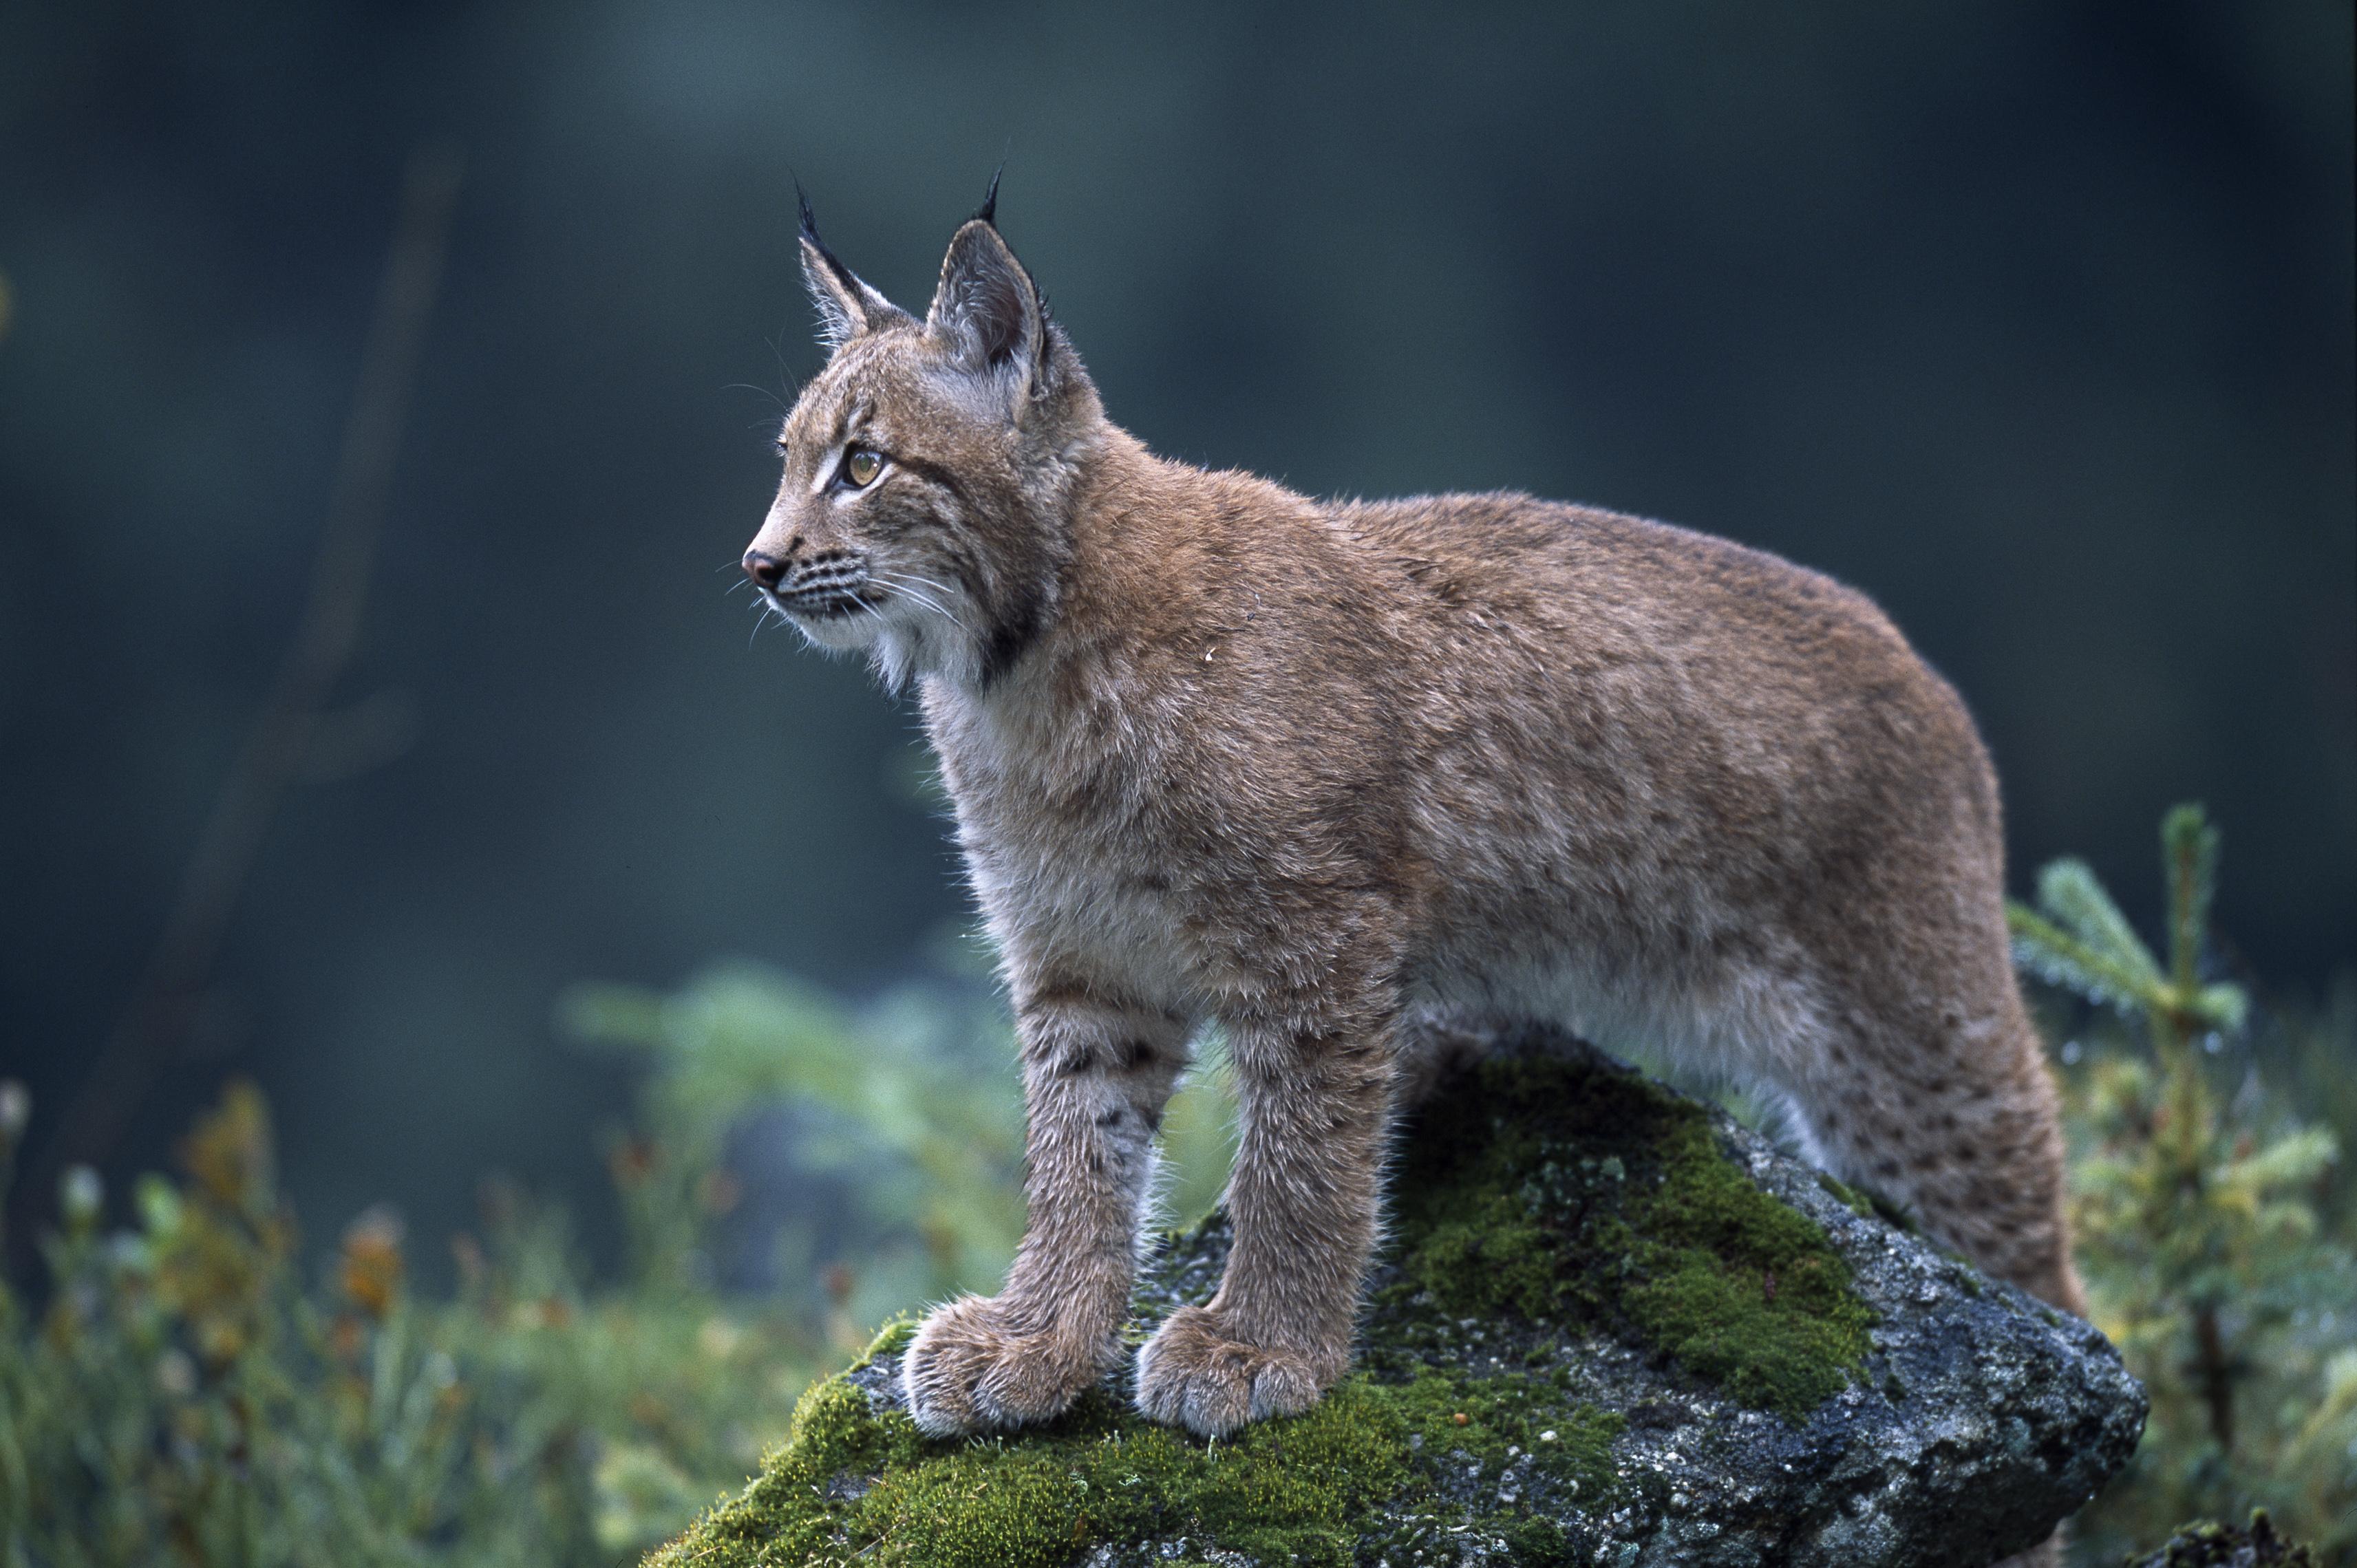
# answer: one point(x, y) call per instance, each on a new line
point(1054, 818)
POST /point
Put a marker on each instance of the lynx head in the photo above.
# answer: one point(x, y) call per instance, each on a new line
point(923, 514)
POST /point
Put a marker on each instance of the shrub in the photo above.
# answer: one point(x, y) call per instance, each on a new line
point(2213, 1224)
point(182, 1396)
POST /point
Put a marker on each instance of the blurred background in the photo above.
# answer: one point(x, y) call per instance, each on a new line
point(2033, 321)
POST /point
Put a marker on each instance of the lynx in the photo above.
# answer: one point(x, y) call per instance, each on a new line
point(1357, 779)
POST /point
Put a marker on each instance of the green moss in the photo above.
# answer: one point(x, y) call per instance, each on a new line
point(1559, 1190)
point(1856, 1201)
point(1488, 1252)
point(1506, 1418)
point(1549, 1197)
point(890, 1340)
point(1293, 1491)
point(2209, 1544)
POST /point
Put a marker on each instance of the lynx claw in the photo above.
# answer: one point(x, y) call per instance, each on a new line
point(967, 1371)
point(1194, 1374)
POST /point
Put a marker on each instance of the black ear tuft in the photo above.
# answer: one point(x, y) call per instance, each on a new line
point(842, 275)
point(988, 211)
point(846, 306)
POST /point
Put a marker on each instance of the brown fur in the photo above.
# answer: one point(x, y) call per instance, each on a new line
point(1345, 778)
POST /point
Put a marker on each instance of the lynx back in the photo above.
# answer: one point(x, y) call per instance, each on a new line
point(1350, 779)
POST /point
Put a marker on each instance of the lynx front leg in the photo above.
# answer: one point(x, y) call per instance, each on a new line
point(1095, 1079)
point(1303, 1200)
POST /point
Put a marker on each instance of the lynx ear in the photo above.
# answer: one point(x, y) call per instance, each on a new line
point(846, 306)
point(987, 307)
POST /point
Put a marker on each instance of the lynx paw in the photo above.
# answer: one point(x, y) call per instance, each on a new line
point(1194, 1374)
point(967, 1371)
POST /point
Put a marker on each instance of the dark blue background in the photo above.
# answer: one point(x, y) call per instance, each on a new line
point(2033, 321)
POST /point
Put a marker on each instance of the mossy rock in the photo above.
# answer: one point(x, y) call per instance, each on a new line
point(1610, 1327)
point(2214, 1545)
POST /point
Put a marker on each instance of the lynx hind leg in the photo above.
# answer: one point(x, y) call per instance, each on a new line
point(1431, 1049)
point(1955, 1118)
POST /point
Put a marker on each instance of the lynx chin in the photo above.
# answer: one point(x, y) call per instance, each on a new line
point(1362, 782)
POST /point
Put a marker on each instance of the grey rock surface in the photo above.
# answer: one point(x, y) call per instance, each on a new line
point(1979, 1418)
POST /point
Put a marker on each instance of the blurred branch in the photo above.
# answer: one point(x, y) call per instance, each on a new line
point(278, 750)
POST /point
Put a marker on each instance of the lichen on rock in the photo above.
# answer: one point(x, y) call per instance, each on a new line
point(1610, 1327)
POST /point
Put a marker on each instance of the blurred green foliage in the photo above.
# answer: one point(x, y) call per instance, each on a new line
point(912, 1103)
point(927, 1131)
point(2213, 1220)
point(182, 1395)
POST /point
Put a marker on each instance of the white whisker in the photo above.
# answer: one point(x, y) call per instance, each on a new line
point(763, 608)
point(919, 597)
point(943, 588)
point(914, 589)
point(918, 588)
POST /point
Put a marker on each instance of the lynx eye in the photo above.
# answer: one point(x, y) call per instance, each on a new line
point(860, 467)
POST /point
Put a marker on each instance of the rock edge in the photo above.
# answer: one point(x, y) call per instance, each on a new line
point(1978, 1419)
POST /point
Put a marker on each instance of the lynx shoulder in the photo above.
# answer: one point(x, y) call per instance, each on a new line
point(1351, 778)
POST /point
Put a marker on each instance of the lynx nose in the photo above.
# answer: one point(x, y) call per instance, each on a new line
point(765, 571)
